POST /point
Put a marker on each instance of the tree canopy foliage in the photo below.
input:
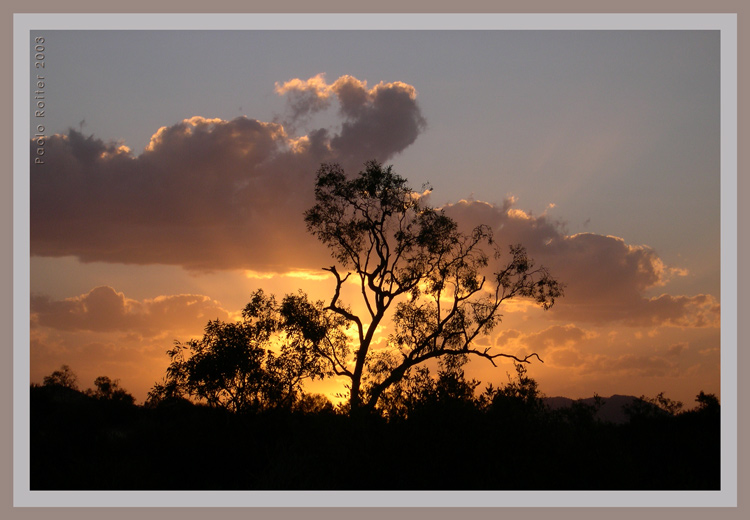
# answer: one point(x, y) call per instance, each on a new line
point(110, 390)
point(64, 377)
point(235, 365)
point(413, 264)
point(105, 388)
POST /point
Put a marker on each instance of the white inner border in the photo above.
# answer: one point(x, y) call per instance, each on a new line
point(23, 24)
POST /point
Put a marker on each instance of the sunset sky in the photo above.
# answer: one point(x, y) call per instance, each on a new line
point(180, 164)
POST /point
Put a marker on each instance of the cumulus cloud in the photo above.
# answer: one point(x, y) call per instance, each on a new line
point(567, 357)
point(606, 279)
point(103, 309)
point(377, 122)
point(556, 336)
point(208, 193)
point(555, 343)
point(590, 352)
point(632, 365)
point(306, 97)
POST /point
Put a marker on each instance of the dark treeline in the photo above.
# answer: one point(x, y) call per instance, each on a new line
point(441, 435)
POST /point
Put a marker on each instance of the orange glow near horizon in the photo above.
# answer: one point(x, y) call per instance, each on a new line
point(126, 339)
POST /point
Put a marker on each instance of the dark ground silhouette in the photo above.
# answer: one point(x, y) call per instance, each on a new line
point(446, 441)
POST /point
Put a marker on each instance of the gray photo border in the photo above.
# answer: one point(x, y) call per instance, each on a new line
point(726, 23)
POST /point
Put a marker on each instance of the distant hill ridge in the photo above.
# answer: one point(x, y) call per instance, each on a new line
point(612, 409)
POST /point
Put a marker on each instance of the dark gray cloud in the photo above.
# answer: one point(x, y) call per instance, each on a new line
point(607, 280)
point(208, 193)
point(378, 122)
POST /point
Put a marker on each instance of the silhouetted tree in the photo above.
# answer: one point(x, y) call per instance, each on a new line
point(519, 398)
point(314, 404)
point(652, 407)
point(668, 405)
point(109, 390)
point(707, 403)
point(63, 377)
point(234, 365)
point(408, 394)
point(419, 391)
point(412, 259)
